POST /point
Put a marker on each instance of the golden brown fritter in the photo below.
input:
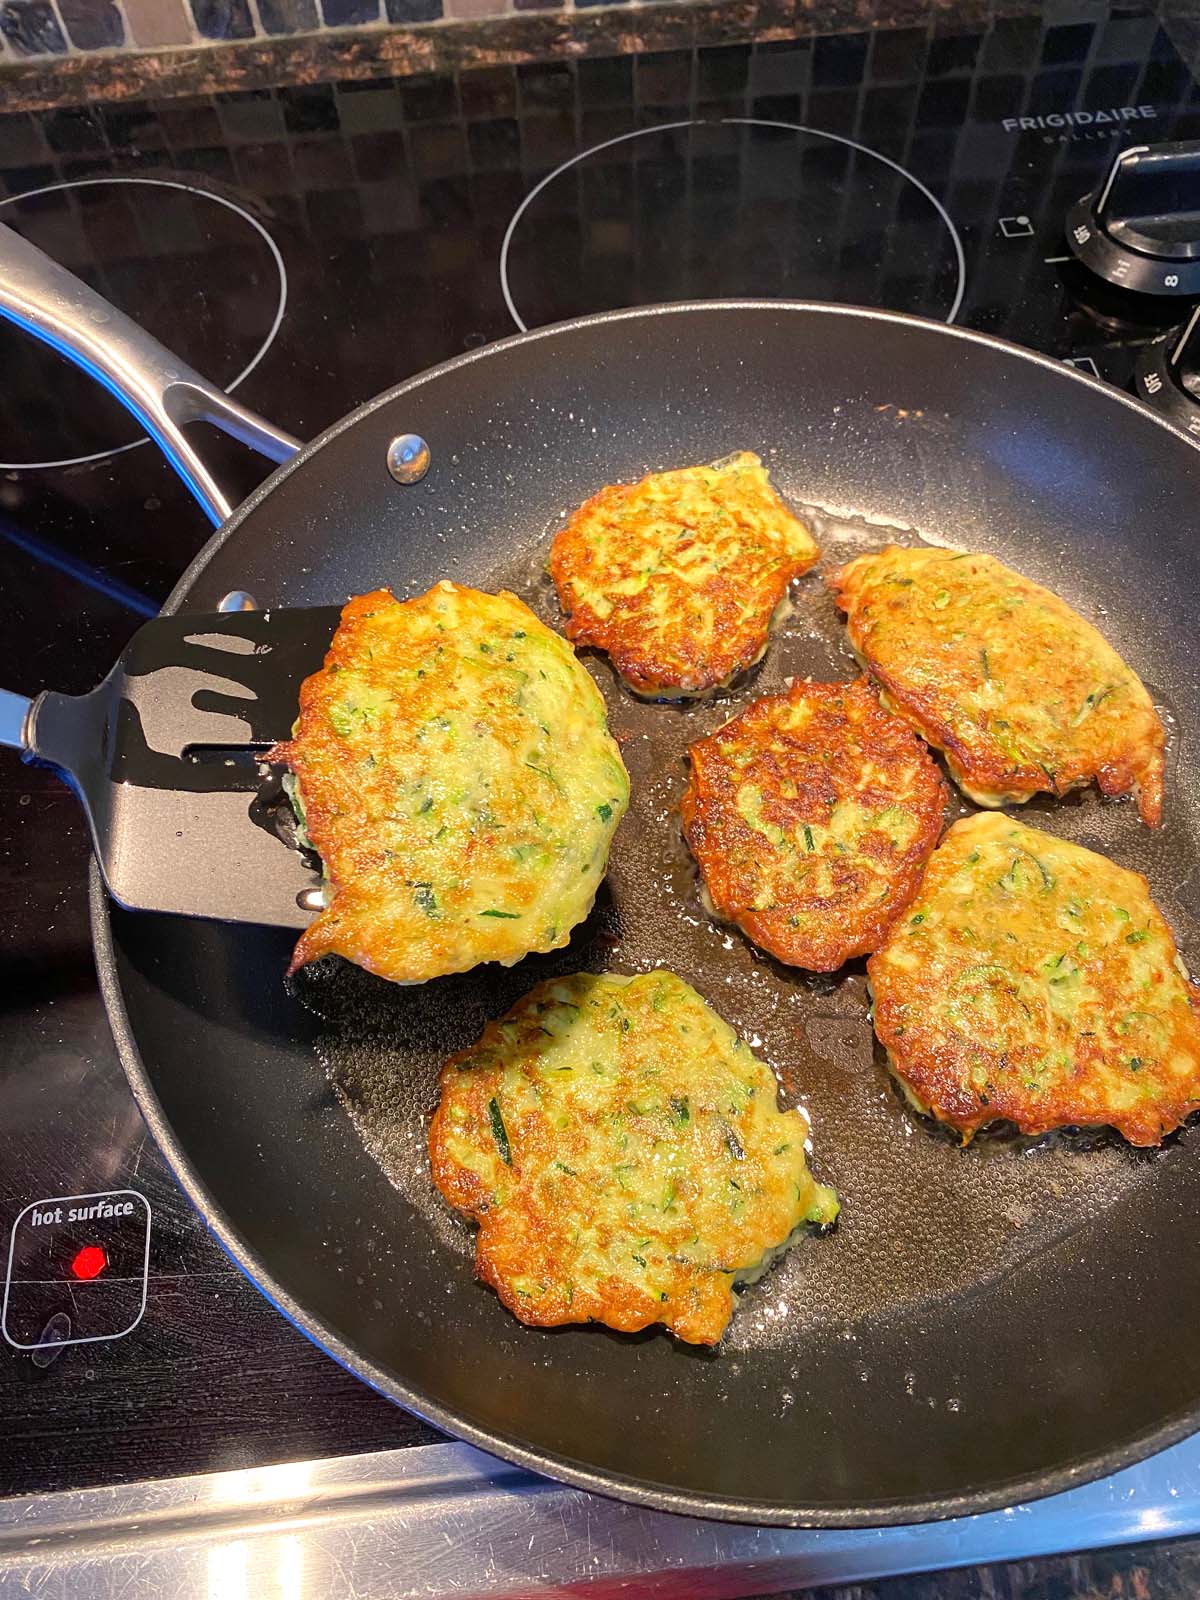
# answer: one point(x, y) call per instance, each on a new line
point(456, 775)
point(1034, 981)
point(677, 577)
point(812, 815)
point(624, 1156)
point(1019, 691)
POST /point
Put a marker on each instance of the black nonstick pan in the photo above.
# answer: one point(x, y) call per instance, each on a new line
point(985, 1325)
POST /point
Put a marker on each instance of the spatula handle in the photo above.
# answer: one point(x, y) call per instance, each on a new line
point(14, 719)
point(161, 391)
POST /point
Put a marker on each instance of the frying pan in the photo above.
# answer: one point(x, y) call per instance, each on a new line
point(986, 1325)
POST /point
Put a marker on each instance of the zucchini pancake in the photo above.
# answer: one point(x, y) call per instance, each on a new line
point(812, 815)
point(623, 1155)
point(1021, 694)
point(1036, 982)
point(678, 577)
point(454, 771)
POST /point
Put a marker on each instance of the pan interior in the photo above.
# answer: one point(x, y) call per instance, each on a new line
point(984, 1322)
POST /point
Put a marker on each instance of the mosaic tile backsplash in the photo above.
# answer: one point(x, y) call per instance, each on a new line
point(46, 28)
point(60, 27)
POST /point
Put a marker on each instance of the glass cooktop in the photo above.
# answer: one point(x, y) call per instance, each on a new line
point(315, 245)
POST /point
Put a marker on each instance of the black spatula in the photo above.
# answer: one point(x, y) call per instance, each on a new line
point(166, 756)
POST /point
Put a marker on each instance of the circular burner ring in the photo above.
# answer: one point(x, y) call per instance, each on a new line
point(189, 188)
point(748, 122)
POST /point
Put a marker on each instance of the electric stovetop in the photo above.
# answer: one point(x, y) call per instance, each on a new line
point(314, 245)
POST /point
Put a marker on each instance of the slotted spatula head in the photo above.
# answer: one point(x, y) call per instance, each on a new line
point(166, 756)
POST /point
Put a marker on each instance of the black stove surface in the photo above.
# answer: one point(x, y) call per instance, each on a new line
point(316, 245)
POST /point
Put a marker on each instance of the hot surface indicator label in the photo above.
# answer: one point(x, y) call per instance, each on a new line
point(77, 1269)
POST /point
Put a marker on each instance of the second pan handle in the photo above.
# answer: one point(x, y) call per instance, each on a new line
point(161, 391)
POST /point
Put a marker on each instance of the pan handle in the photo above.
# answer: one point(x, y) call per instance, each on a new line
point(14, 719)
point(161, 391)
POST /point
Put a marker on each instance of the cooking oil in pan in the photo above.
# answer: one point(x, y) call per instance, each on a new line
point(924, 1220)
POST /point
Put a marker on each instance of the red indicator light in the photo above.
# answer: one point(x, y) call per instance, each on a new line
point(89, 1262)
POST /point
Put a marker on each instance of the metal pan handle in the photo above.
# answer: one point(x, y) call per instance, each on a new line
point(14, 719)
point(161, 391)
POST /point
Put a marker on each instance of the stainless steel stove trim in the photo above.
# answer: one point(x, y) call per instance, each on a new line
point(447, 1519)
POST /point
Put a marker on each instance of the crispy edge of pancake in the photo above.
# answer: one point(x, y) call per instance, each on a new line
point(714, 828)
point(649, 667)
point(483, 1138)
point(979, 769)
point(935, 1074)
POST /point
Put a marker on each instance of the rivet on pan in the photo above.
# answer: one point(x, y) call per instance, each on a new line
point(238, 600)
point(408, 458)
point(311, 899)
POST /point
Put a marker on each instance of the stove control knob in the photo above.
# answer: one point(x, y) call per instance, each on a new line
point(1168, 375)
point(1141, 230)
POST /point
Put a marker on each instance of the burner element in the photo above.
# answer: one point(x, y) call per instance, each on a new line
point(195, 269)
point(738, 208)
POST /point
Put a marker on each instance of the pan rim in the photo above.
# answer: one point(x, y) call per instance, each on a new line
point(659, 1497)
point(1065, 372)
